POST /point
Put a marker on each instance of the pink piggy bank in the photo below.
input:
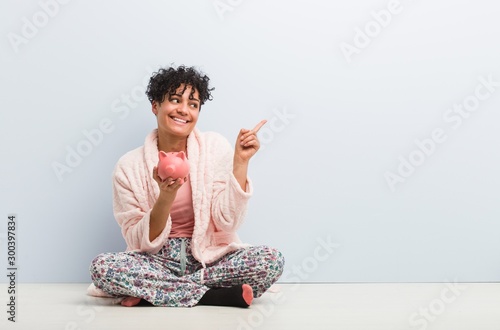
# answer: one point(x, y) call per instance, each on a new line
point(172, 164)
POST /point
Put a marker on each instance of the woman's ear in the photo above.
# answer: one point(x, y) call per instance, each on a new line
point(154, 107)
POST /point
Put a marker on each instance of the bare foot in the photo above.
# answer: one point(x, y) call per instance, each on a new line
point(130, 301)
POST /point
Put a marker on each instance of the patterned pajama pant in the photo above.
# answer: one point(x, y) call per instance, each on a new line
point(173, 277)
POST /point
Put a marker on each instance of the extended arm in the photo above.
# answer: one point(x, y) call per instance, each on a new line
point(247, 144)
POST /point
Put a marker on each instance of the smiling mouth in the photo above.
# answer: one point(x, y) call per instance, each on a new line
point(182, 121)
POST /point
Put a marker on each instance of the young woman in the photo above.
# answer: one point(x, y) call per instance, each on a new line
point(182, 246)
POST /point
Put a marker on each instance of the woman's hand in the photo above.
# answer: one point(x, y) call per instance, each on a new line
point(169, 186)
point(247, 144)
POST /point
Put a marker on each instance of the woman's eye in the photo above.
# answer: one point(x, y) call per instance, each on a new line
point(194, 105)
point(174, 100)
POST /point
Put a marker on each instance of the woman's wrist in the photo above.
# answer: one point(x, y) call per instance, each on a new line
point(240, 170)
point(165, 199)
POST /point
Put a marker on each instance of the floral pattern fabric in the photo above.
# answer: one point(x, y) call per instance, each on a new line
point(173, 278)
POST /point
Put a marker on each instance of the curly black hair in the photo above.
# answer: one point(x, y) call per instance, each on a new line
point(166, 81)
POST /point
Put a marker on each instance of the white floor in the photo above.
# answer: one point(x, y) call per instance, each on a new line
point(469, 306)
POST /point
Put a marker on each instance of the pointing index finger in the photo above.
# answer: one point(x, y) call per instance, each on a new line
point(259, 125)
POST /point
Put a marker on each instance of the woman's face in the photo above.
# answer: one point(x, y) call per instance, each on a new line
point(177, 114)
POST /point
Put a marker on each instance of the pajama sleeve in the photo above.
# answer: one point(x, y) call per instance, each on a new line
point(229, 202)
point(132, 211)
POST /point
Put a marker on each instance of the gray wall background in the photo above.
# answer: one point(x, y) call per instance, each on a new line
point(354, 92)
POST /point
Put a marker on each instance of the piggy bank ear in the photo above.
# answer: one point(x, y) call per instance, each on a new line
point(181, 155)
point(162, 155)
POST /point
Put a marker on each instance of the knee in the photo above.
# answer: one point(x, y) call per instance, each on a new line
point(274, 260)
point(98, 267)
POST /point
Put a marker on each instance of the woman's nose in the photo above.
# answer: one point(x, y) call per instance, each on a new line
point(182, 108)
